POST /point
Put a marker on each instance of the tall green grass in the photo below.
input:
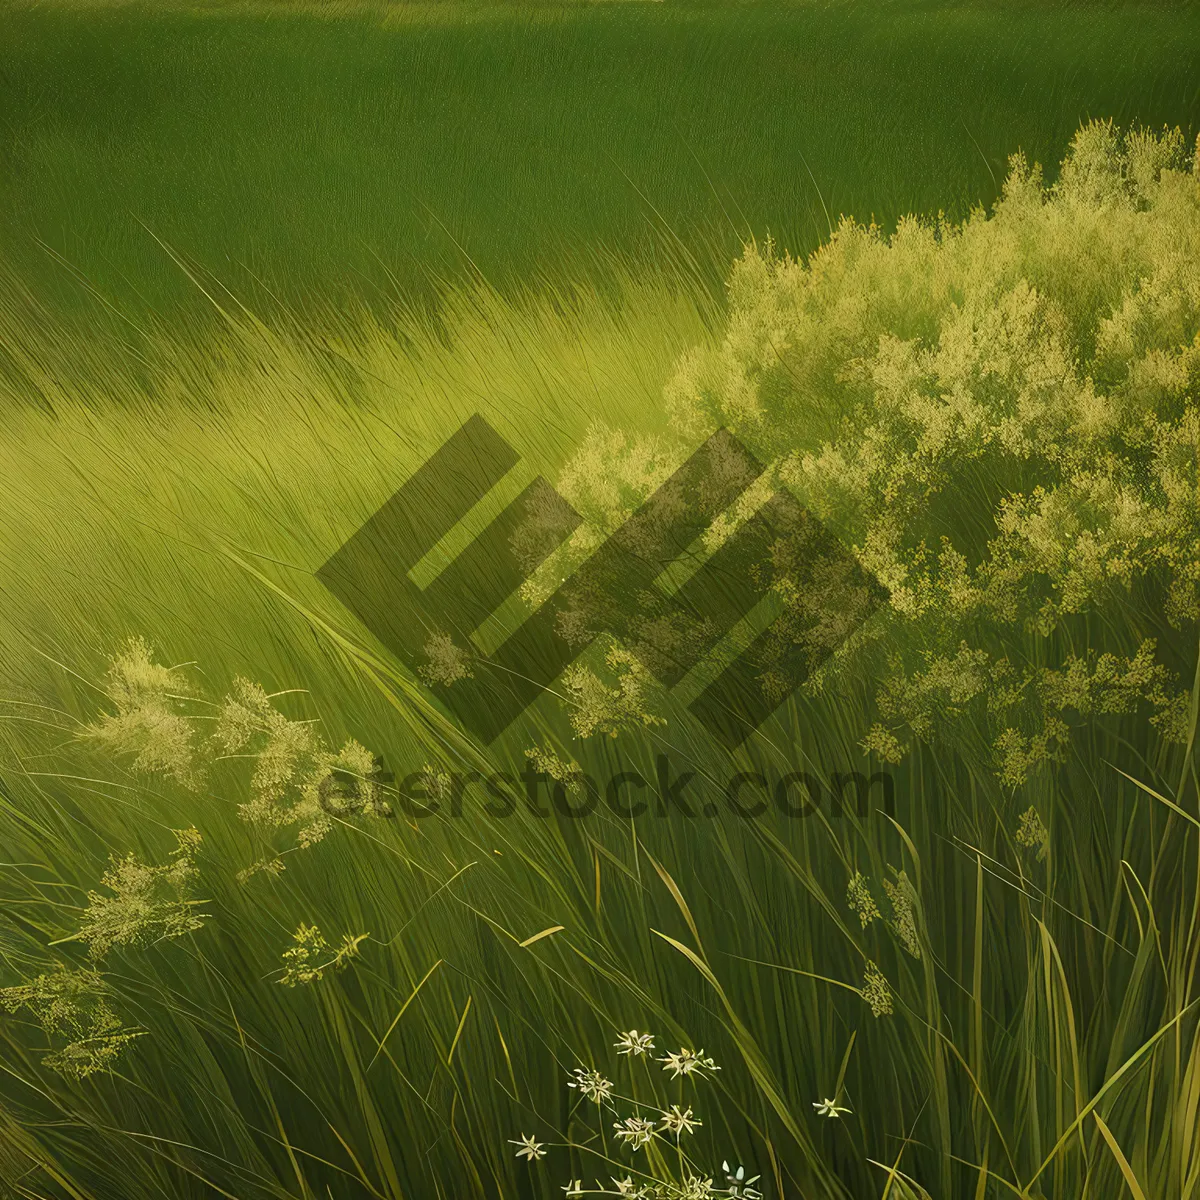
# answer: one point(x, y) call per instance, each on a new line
point(355, 150)
point(225, 338)
point(156, 474)
point(1042, 1039)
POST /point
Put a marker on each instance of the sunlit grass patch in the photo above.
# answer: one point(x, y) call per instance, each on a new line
point(988, 990)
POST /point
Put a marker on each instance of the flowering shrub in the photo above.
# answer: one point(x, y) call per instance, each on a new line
point(1001, 418)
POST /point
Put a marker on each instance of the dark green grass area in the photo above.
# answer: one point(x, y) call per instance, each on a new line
point(362, 151)
point(1012, 1010)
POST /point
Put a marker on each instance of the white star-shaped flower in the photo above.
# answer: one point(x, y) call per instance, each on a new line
point(679, 1122)
point(688, 1062)
point(529, 1148)
point(591, 1084)
point(634, 1043)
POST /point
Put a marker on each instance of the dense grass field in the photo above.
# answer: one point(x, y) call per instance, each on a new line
point(339, 150)
point(259, 261)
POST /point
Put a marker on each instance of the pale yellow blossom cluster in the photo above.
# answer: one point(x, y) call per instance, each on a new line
point(149, 722)
point(608, 478)
point(569, 774)
point(297, 779)
point(139, 905)
point(876, 991)
point(144, 903)
point(860, 900)
point(1032, 832)
point(445, 661)
point(621, 702)
point(1001, 418)
point(72, 1007)
point(309, 956)
point(902, 894)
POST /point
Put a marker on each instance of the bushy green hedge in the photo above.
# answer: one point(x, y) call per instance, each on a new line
point(1001, 417)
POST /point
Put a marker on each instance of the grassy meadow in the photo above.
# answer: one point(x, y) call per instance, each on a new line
point(258, 261)
point(360, 150)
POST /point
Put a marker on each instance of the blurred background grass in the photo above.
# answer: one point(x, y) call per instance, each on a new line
point(355, 150)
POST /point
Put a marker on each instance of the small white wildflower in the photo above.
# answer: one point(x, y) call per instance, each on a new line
point(591, 1084)
point(529, 1148)
point(829, 1108)
point(679, 1123)
point(740, 1188)
point(635, 1132)
point(687, 1062)
point(697, 1189)
point(635, 1043)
